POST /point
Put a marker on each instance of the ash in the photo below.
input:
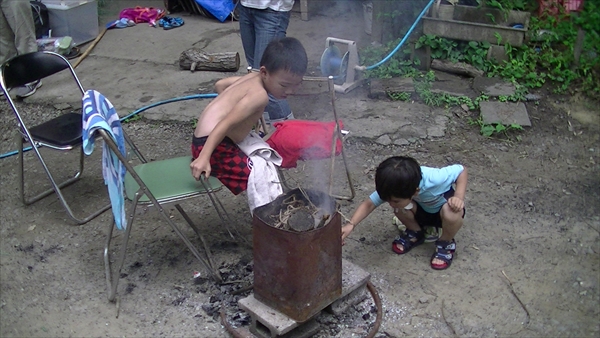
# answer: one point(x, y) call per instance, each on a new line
point(356, 321)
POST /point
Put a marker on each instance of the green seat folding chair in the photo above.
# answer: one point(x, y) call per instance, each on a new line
point(154, 183)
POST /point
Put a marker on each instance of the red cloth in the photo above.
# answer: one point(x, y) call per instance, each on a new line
point(303, 140)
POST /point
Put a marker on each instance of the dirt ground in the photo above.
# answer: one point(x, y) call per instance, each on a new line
point(527, 262)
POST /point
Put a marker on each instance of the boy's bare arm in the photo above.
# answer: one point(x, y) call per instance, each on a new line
point(239, 115)
point(457, 202)
point(222, 84)
point(363, 210)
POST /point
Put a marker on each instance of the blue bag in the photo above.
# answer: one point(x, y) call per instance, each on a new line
point(220, 9)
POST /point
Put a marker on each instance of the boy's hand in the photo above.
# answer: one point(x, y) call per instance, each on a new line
point(346, 230)
point(198, 168)
point(456, 204)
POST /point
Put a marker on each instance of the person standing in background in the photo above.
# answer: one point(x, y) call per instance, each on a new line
point(262, 21)
point(17, 36)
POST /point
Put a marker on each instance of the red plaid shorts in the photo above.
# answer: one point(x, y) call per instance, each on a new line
point(228, 163)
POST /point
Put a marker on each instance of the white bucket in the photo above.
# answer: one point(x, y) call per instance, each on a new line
point(368, 14)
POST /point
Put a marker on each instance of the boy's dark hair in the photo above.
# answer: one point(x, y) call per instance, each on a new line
point(285, 54)
point(397, 176)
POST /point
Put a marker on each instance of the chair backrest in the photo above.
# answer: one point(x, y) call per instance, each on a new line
point(30, 67)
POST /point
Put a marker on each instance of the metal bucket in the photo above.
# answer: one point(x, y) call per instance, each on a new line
point(297, 273)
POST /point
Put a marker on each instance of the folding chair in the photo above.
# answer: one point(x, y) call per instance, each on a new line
point(312, 86)
point(61, 133)
point(154, 183)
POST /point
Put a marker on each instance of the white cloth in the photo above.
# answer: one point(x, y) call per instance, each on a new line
point(263, 182)
point(276, 5)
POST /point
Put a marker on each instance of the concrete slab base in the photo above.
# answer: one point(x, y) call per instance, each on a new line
point(268, 322)
point(504, 112)
point(354, 286)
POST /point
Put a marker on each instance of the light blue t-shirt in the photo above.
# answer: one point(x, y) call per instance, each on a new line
point(433, 185)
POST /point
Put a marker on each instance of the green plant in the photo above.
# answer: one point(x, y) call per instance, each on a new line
point(441, 48)
point(498, 38)
point(507, 5)
point(488, 130)
point(546, 59)
point(398, 64)
point(475, 53)
point(133, 118)
point(402, 96)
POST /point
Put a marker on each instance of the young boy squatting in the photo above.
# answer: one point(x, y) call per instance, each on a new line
point(421, 196)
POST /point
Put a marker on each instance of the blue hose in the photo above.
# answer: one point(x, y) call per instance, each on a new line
point(404, 38)
point(175, 99)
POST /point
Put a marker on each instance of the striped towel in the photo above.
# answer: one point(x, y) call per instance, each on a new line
point(98, 113)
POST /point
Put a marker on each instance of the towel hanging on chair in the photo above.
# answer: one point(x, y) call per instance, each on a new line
point(98, 113)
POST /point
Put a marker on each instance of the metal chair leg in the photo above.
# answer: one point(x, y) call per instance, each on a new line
point(190, 246)
point(337, 134)
point(56, 187)
point(207, 251)
point(112, 280)
point(223, 214)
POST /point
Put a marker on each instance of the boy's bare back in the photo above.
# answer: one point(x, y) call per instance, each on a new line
point(241, 101)
point(239, 106)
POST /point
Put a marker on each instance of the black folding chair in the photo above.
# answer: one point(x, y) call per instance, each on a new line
point(62, 133)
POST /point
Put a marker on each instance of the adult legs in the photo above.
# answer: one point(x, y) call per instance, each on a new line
point(268, 26)
point(247, 32)
point(258, 27)
point(17, 30)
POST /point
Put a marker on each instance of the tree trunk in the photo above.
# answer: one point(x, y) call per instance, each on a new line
point(196, 59)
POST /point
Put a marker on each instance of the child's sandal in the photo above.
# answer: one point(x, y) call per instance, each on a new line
point(176, 22)
point(409, 239)
point(444, 251)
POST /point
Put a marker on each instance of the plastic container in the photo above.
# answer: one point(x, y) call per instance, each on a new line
point(75, 18)
point(61, 45)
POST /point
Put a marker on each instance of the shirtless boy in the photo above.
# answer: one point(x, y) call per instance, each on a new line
point(230, 117)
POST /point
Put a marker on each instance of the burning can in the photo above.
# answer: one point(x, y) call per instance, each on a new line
point(298, 273)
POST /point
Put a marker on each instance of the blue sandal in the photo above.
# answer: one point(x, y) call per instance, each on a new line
point(444, 251)
point(409, 239)
point(177, 22)
point(168, 22)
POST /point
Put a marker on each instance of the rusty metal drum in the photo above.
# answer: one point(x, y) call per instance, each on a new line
point(297, 273)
